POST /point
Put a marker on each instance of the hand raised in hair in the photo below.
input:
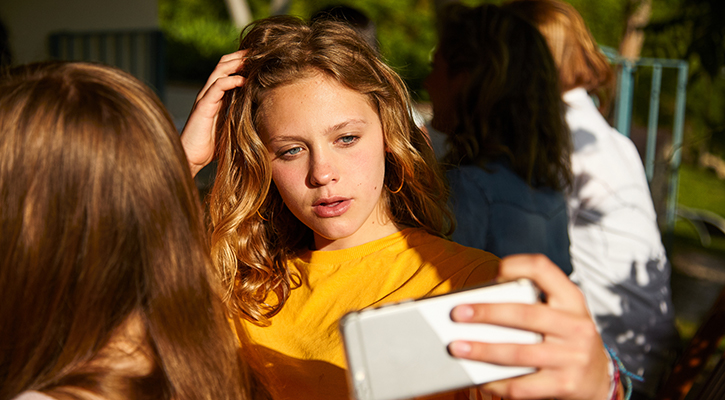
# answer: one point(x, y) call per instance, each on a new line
point(198, 135)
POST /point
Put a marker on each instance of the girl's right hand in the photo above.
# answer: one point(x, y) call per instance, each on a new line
point(571, 361)
point(198, 135)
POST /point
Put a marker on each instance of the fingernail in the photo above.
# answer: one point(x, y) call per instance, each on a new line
point(462, 313)
point(459, 348)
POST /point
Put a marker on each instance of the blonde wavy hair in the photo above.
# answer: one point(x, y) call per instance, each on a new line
point(254, 234)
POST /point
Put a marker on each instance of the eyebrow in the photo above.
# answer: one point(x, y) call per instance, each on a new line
point(343, 124)
point(331, 129)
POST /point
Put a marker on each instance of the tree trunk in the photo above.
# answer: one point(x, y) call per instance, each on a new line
point(638, 17)
point(239, 11)
point(279, 7)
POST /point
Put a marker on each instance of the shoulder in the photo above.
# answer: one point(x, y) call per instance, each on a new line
point(589, 126)
point(468, 174)
point(451, 259)
point(475, 188)
point(582, 114)
point(445, 250)
point(476, 184)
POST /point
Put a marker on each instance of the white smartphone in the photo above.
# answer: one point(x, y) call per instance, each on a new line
point(399, 351)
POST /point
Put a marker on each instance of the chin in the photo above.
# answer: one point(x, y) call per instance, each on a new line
point(333, 232)
point(336, 234)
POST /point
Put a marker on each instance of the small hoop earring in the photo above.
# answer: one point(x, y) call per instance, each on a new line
point(398, 190)
point(260, 216)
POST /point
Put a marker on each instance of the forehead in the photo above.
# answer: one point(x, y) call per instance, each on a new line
point(315, 101)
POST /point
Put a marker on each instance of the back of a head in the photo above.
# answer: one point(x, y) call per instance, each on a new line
point(100, 220)
point(577, 55)
point(510, 106)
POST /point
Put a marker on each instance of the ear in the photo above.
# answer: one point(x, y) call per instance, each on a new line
point(388, 151)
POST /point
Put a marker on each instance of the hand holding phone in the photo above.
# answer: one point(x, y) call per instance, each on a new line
point(400, 351)
point(571, 362)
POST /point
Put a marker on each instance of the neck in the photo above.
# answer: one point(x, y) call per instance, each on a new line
point(366, 234)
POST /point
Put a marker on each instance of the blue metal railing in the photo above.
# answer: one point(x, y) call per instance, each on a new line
point(623, 116)
point(142, 53)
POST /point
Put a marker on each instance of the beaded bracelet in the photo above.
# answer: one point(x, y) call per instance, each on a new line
point(615, 383)
point(619, 372)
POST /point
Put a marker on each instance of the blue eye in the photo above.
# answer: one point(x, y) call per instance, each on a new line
point(291, 152)
point(348, 139)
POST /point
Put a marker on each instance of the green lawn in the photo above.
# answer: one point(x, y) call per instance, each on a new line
point(700, 189)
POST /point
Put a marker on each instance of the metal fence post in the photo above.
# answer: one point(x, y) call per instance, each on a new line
point(677, 134)
point(654, 108)
point(624, 98)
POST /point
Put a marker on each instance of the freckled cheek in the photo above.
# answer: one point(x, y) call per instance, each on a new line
point(373, 168)
point(358, 160)
point(287, 180)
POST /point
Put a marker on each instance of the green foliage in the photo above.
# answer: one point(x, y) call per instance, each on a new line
point(706, 102)
point(405, 30)
point(606, 19)
point(702, 23)
point(198, 33)
point(694, 30)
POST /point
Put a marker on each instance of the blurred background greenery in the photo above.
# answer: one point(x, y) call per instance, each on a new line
point(199, 32)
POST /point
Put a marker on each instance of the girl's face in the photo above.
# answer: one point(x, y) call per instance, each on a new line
point(327, 153)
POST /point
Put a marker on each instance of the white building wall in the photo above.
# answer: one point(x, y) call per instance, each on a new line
point(29, 22)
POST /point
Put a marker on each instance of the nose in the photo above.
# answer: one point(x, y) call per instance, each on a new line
point(322, 170)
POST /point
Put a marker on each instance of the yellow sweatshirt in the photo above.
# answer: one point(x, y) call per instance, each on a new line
point(300, 355)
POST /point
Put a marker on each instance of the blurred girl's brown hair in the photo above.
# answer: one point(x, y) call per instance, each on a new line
point(510, 106)
point(104, 256)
